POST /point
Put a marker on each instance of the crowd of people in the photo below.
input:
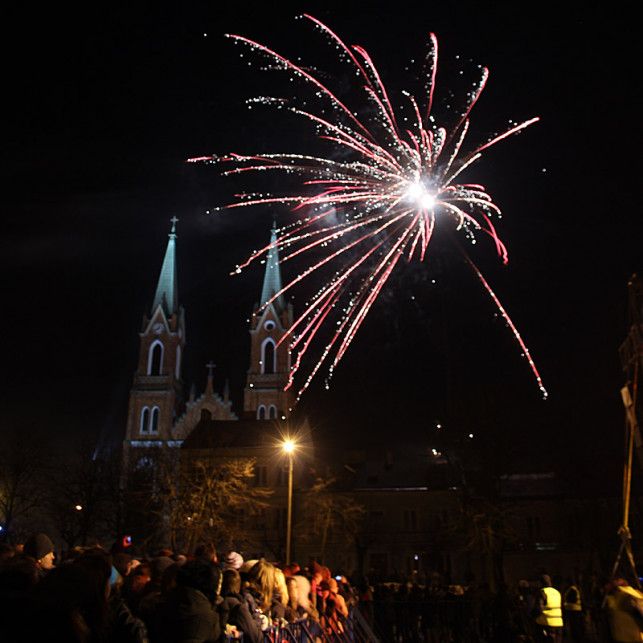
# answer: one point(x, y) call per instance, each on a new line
point(94, 595)
point(529, 611)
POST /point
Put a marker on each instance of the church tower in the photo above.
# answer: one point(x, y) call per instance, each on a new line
point(156, 397)
point(264, 396)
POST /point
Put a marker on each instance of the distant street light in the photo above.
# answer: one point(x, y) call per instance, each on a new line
point(289, 447)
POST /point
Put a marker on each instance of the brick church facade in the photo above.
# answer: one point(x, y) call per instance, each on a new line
point(159, 415)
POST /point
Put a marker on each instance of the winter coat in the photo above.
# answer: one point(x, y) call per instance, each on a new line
point(190, 617)
point(234, 611)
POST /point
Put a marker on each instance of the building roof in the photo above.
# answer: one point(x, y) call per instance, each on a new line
point(272, 278)
point(233, 434)
point(402, 472)
point(166, 290)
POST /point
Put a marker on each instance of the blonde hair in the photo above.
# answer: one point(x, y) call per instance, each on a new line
point(262, 578)
point(280, 586)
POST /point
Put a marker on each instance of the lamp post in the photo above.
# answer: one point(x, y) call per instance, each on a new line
point(289, 447)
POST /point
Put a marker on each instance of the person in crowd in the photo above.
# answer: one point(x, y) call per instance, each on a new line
point(299, 597)
point(329, 613)
point(153, 594)
point(315, 581)
point(234, 610)
point(262, 586)
point(121, 624)
point(207, 551)
point(625, 611)
point(282, 610)
point(135, 584)
point(503, 615)
point(548, 612)
point(190, 612)
point(123, 564)
point(573, 613)
point(74, 604)
point(233, 560)
point(18, 576)
point(340, 601)
point(40, 548)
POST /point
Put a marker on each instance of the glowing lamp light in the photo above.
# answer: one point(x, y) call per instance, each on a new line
point(79, 508)
point(289, 446)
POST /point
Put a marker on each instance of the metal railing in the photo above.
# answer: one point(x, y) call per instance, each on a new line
point(353, 628)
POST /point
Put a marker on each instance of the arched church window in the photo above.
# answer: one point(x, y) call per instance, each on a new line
point(261, 412)
point(145, 420)
point(155, 359)
point(272, 411)
point(154, 425)
point(268, 357)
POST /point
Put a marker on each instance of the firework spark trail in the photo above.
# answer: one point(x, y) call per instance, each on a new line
point(507, 319)
point(383, 202)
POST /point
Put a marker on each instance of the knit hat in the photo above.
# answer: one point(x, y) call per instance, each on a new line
point(233, 560)
point(38, 546)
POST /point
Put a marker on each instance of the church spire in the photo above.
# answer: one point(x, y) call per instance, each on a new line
point(166, 290)
point(272, 278)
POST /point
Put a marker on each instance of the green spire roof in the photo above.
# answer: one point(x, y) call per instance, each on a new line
point(166, 290)
point(272, 278)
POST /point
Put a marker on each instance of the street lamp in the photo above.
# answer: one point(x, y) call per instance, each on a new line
point(289, 447)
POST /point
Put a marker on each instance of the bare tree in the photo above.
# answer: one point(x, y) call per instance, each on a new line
point(205, 499)
point(22, 468)
point(328, 514)
point(486, 528)
point(81, 495)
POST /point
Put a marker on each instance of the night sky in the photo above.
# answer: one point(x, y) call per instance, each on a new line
point(105, 104)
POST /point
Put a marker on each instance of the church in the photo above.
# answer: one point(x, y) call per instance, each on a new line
point(205, 426)
point(159, 413)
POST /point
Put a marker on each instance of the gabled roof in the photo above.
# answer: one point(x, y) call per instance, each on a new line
point(166, 290)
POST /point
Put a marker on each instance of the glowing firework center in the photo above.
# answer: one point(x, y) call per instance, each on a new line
point(420, 197)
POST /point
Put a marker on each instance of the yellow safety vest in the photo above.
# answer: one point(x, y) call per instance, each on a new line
point(575, 606)
point(552, 615)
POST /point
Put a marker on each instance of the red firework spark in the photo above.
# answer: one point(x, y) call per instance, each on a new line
point(388, 194)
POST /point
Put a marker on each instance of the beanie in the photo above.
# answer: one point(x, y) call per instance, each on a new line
point(233, 560)
point(38, 546)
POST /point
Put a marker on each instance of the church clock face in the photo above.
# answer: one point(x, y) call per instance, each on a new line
point(157, 328)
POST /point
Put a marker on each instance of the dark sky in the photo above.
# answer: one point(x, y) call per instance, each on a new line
point(106, 103)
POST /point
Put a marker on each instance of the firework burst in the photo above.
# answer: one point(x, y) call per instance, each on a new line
point(374, 196)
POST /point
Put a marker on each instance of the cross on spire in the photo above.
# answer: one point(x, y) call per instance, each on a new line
point(210, 365)
point(174, 221)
